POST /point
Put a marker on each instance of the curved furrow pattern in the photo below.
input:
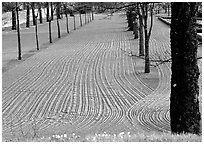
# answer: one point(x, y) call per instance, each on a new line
point(89, 82)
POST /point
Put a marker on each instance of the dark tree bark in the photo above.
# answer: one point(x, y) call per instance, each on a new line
point(52, 11)
point(48, 11)
point(18, 34)
point(67, 19)
point(33, 12)
point(184, 105)
point(40, 12)
point(36, 32)
point(80, 19)
point(74, 23)
point(50, 29)
point(27, 15)
point(58, 10)
point(13, 11)
point(130, 19)
point(141, 36)
point(135, 28)
point(58, 28)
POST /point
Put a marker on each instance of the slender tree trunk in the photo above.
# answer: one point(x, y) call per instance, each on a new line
point(13, 18)
point(136, 29)
point(48, 11)
point(36, 32)
point(58, 27)
point(85, 16)
point(74, 23)
point(92, 15)
point(80, 19)
point(147, 64)
point(141, 39)
point(27, 15)
point(184, 105)
point(147, 36)
point(33, 12)
point(50, 30)
point(130, 20)
point(58, 10)
point(18, 34)
point(67, 20)
point(40, 13)
point(52, 11)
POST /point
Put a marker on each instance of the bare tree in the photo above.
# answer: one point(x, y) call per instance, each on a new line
point(145, 8)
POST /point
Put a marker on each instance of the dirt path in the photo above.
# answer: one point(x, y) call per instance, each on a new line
point(88, 82)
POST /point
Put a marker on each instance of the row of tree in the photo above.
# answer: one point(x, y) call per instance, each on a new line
point(184, 104)
point(58, 7)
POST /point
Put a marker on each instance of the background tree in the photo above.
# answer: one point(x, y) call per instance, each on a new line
point(52, 11)
point(141, 36)
point(145, 8)
point(184, 105)
point(13, 12)
point(27, 14)
point(18, 32)
point(33, 12)
point(48, 11)
point(40, 11)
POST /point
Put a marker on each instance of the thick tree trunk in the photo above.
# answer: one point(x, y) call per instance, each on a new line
point(27, 15)
point(13, 19)
point(184, 104)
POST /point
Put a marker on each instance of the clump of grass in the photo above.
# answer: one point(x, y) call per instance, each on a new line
point(121, 137)
point(144, 137)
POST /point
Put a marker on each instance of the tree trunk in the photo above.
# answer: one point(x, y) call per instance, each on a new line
point(50, 30)
point(58, 10)
point(58, 27)
point(18, 34)
point(36, 33)
point(40, 13)
point(80, 19)
point(52, 11)
point(147, 64)
point(136, 29)
point(33, 12)
point(27, 15)
point(147, 36)
point(74, 23)
point(130, 20)
point(141, 39)
point(13, 18)
point(184, 104)
point(48, 12)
